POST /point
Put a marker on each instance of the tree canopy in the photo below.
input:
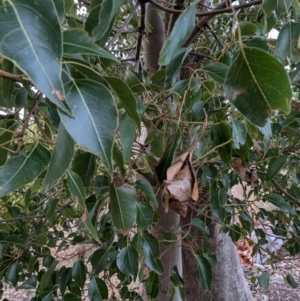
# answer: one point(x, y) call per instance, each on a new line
point(89, 135)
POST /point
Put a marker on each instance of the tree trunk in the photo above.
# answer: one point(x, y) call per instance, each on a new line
point(169, 222)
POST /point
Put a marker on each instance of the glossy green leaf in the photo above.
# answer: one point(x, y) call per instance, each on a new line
point(288, 42)
point(151, 250)
point(246, 221)
point(168, 156)
point(76, 188)
point(30, 283)
point(278, 201)
point(79, 273)
point(99, 260)
point(180, 33)
point(264, 279)
point(291, 281)
point(126, 97)
point(97, 290)
point(147, 190)
point(128, 261)
point(118, 158)
point(217, 71)
point(46, 278)
point(123, 207)
point(61, 157)
point(84, 165)
point(197, 222)
point(269, 6)
point(173, 68)
point(274, 166)
point(221, 136)
point(77, 41)
point(205, 271)
point(12, 273)
point(106, 12)
point(144, 215)
point(246, 28)
point(127, 129)
point(239, 133)
point(38, 55)
point(94, 113)
point(266, 130)
point(255, 83)
point(217, 201)
point(258, 42)
point(23, 169)
point(60, 8)
point(283, 6)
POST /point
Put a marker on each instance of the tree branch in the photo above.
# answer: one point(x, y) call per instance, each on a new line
point(220, 9)
point(125, 24)
point(12, 77)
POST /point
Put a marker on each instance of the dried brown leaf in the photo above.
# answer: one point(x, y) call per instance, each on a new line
point(247, 175)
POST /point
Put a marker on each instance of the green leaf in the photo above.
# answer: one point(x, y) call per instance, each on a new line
point(278, 201)
point(288, 42)
point(205, 271)
point(76, 188)
point(123, 207)
point(246, 28)
point(60, 9)
point(239, 133)
point(77, 41)
point(127, 129)
point(61, 157)
point(173, 68)
point(97, 289)
point(151, 250)
point(217, 200)
point(147, 190)
point(168, 156)
point(180, 33)
point(126, 97)
point(12, 273)
point(217, 71)
point(291, 281)
point(274, 166)
point(41, 239)
point(30, 283)
point(264, 279)
point(46, 278)
point(79, 273)
point(84, 165)
point(21, 169)
point(38, 55)
point(255, 83)
point(118, 158)
point(128, 261)
point(197, 222)
point(106, 12)
point(144, 215)
point(221, 136)
point(99, 260)
point(94, 113)
point(269, 6)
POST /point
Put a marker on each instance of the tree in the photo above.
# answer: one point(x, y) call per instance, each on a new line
point(119, 116)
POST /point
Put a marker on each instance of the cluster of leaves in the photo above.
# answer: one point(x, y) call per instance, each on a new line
point(72, 114)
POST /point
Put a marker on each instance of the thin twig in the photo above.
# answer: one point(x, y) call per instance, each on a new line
point(140, 36)
point(12, 77)
point(220, 9)
point(125, 24)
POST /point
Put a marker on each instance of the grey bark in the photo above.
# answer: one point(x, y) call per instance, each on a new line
point(169, 222)
point(229, 282)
